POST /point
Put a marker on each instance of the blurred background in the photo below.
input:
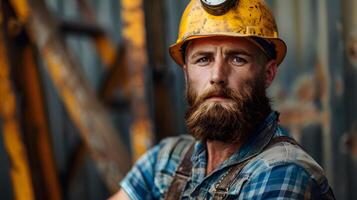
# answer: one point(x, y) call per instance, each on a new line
point(87, 86)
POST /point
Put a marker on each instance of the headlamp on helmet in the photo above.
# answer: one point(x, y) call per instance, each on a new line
point(218, 7)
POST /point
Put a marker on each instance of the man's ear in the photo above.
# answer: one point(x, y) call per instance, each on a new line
point(184, 68)
point(271, 68)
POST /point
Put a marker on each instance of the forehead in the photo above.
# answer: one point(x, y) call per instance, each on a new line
point(229, 43)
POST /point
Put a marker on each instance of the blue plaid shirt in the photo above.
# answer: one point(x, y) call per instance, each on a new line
point(281, 172)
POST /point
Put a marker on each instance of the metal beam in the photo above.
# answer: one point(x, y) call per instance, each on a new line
point(103, 44)
point(20, 170)
point(36, 126)
point(134, 36)
point(112, 57)
point(162, 75)
point(80, 28)
point(349, 30)
point(89, 116)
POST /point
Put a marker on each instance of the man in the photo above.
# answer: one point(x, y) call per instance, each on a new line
point(230, 52)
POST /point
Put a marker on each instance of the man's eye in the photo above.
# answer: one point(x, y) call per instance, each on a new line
point(203, 60)
point(239, 61)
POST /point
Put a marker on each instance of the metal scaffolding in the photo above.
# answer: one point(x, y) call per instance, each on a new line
point(315, 90)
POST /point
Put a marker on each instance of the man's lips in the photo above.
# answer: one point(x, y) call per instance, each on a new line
point(217, 97)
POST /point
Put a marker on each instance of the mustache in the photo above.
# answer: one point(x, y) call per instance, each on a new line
point(214, 91)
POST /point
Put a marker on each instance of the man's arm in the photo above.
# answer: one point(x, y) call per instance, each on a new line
point(121, 195)
point(138, 183)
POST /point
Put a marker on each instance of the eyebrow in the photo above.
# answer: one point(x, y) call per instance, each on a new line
point(201, 53)
point(238, 51)
point(228, 52)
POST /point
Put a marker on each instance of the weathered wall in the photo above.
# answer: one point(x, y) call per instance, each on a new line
point(315, 91)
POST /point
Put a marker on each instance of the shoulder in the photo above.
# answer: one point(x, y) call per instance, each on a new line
point(169, 157)
point(284, 180)
point(172, 149)
point(174, 146)
point(286, 170)
point(151, 174)
point(285, 153)
point(165, 155)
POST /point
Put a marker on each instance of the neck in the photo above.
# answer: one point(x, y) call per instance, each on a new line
point(218, 152)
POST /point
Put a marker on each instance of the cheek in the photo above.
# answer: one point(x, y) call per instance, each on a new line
point(239, 78)
point(198, 78)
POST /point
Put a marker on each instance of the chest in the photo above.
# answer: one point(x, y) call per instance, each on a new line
point(199, 186)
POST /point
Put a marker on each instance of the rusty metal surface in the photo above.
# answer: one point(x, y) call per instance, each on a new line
point(349, 20)
point(19, 171)
point(350, 142)
point(309, 88)
point(116, 78)
point(325, 83)
point(306, 100)
point(133, 32)
point(80, 28)
point(81, 103)
point(163, 102)
point(349, 30)
point(315, 90)
point(36, 127)
point(113, 58)
point(103, 43)
point(121, 65)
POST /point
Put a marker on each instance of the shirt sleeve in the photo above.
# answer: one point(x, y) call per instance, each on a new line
point(287, 181)
point(139, 182)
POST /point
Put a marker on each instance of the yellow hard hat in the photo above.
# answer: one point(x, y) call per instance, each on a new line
point(244, 18)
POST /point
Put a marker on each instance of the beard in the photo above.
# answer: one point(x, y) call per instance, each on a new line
point(230, 121)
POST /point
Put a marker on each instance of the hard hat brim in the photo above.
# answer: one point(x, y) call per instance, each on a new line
point(176, 53)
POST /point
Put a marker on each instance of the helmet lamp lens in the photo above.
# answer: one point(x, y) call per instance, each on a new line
point(218, 7)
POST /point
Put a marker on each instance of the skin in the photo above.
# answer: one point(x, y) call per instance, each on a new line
point(121, 195)
point(227, 61)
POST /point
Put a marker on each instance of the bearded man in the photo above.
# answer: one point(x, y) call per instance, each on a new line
point(229, 51)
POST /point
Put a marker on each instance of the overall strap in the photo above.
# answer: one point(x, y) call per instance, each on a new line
point(228, 179)
point(223, 185)
point(182, 174)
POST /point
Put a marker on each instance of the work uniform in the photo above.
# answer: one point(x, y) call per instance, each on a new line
point(282, 171)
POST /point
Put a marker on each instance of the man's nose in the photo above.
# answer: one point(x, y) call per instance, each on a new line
point(219, 74)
